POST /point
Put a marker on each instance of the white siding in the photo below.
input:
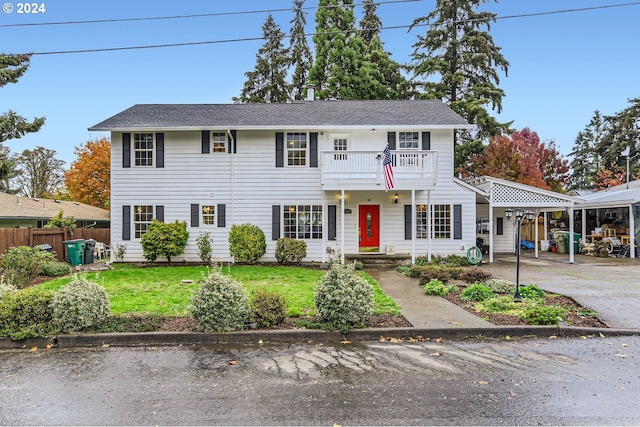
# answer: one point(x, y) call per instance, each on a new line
point(206, 179)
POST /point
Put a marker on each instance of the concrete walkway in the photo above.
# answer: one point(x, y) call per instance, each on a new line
point(610, 286)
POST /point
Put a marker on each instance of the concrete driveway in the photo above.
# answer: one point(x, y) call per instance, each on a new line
point(610, 286)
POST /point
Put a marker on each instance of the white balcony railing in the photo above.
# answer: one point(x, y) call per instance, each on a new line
point(363, 169)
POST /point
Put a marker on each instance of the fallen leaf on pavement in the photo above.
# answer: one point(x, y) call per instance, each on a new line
point(436, 354)
point(439, 339)
point(345, 342)
point(34, 348)
point(233, 362)
point(483, 382)
point(601, 335)
point(553, 337)
point(621, 355)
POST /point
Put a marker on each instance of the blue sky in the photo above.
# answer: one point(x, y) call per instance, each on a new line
point(563, 66)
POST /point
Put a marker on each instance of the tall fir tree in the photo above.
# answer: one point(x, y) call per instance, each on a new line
point(585, 162)
point(267, 83)
point(370, 24)
point(624, 132)
point(457, 61)
point(12, 125)
point(300, 53)
point(393, 84)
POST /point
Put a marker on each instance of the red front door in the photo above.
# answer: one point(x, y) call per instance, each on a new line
point(369, 228)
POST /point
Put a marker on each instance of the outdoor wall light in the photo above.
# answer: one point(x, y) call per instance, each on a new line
point(517, 221)
point(395, 198)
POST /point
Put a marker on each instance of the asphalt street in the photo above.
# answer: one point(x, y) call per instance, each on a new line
point(517, 381)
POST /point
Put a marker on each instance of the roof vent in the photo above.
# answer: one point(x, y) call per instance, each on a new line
point(311, 92)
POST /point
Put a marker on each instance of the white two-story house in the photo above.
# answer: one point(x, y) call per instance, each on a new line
point(310, 170)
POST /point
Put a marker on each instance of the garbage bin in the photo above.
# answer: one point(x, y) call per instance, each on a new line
point(576, 243)
point(44, 247)
point(561, 243)
point(89, 246)
point(75, 251)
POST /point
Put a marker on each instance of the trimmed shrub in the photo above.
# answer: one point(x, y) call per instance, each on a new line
point(290, 251)
point(531, 292)
point(204, 241)
point(26, 313)
point(21, 264)
point(500, 286)
point(344, 298)
point(6, 288)
point(164, 239)
point(268, 308)
point(220, 304)
point(542, 314)
point(476, 292)
point(56, 269)
point(432, 272)
point(436, 287)
point(247, 243)
point(455, 272)
point(80, 305)
point(475, 275)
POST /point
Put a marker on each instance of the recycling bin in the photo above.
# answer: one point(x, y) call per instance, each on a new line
point(75, 251)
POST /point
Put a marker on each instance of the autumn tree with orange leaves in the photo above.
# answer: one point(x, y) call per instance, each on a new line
point(88, 178)
point(522, 157)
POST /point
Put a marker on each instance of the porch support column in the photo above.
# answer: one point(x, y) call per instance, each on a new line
point(583, 220)
point(571, 245)
point(544, 219)
point(324, 229)
point(632, 233)
point(428, 225)
point(413, 226)
point(491, 228)
point(342, 226)
point(536, 234)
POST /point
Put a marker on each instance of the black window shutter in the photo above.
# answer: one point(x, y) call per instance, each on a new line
point(126, 223)
point(313, 149)
point(126, 150)
point(160, 213)
point(457, 221)
point(499, 226)
point(233, 144)
point(279, 149)
point(332, 225)
point(407, 222)
point(206, 139)
point(159, 150)
point(391, 140)
point(195, 215)
point(222, 215)
point(426, 140)
point(275, 222)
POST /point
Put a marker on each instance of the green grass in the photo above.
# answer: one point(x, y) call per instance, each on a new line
point(159, 291)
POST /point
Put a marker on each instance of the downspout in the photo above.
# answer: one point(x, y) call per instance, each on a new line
point(342, 226)
point(429, 225)
point(413, 226)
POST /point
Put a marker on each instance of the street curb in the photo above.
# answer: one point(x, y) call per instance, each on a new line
point(304, 336)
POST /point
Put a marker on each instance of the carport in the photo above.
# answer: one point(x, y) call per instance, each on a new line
point(495, 195)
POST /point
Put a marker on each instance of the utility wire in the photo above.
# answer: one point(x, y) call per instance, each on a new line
point(525, 15)
point(202, 15)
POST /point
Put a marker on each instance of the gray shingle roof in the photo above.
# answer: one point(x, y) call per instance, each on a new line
point(425, 113)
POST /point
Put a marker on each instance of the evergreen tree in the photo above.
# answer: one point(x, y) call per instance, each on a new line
point(457, 62)
point(268, 82)
point(12, 125)
point(393, 84)
point(624, 132)
point(301, 58)
point(585, 161)
point(370, 24)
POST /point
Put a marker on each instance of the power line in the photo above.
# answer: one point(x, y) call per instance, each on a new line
point(202, 15)
point(526, 15)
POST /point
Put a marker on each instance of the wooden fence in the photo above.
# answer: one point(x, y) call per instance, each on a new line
point(10, 237)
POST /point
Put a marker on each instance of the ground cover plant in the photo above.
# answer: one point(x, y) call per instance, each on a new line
point(156, 298)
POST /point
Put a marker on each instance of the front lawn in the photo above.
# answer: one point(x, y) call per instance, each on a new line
point(166, 290)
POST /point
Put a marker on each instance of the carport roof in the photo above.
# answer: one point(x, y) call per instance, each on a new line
point(500, 192)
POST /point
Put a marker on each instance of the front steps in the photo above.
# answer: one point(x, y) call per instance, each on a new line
point(379, 261)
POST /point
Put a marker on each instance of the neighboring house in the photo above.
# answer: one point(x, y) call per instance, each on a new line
point(17, 211)
point(310, 170)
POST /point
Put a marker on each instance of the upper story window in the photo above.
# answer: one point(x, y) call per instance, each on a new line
point(208, 215)
point(219, 142)
point(408, 140)
point(296, 149)
point(142, 216)
point(340, 143)
point(143, 149)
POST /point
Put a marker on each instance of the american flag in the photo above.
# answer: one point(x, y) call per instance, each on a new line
point(388, 169)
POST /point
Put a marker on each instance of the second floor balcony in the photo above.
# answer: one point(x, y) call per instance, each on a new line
point(363, 170)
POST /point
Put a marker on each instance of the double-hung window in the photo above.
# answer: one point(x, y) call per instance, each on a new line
point(422, 223)
point(219, 142)
point(440, 218)
point(296, 149)
point(208, 215)
point(340, 143)
point(143, 149)
point(142, 216)
point(408, 140)
point(303, 221)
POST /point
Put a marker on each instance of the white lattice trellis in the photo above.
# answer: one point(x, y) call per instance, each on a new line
point(506, 195)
